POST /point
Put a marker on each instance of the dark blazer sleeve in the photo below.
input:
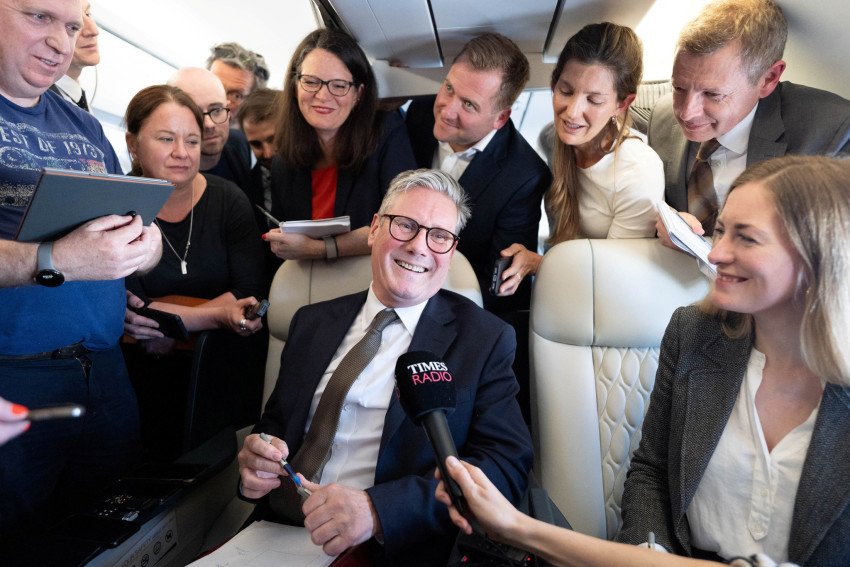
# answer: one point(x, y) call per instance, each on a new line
point(505, 183)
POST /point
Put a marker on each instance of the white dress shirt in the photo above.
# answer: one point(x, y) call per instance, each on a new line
point(455, 163)
point(354, 453)
point(730, 159)
point(745, 501)
point(69, 89)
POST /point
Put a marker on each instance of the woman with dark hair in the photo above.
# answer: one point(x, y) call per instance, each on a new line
point(212, 260)
point(337, 151)
point(606, 179)
point(209, 236)
point(744, 447)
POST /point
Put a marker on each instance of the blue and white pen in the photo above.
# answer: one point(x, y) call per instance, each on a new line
point(288, 468)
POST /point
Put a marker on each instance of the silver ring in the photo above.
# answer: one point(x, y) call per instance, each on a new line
point(242, 324)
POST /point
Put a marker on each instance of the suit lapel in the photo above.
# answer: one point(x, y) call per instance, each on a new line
point(328, 335)
point(486, 165)
point(712, 389)
point(823, 493)
point(344, 183)
point(435, 332)
point(767, 129)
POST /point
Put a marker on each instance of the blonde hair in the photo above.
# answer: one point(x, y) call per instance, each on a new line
point(618, 49)
point(811, 195)
point(758, 25)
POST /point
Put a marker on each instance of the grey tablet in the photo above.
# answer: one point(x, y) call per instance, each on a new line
point(64, 199)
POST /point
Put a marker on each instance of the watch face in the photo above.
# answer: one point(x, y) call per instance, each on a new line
point(49, 278)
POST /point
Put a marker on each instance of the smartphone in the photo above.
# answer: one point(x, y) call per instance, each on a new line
point(170, 324)
point(56, 412)
point(259, 309)
point(499, 266)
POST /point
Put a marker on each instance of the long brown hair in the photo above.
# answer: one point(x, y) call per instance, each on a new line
point(618, 49)
point(357, 139)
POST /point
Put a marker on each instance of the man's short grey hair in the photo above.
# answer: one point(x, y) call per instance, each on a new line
point(432, 179)
point(233, 54)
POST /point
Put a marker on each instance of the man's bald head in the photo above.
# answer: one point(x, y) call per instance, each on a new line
point(208, 93)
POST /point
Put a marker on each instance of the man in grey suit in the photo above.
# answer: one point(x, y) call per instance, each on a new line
point(726, 87)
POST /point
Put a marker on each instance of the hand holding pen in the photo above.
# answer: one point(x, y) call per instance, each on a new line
point(289, 471)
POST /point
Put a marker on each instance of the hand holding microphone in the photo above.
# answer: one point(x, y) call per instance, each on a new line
point(426, 393)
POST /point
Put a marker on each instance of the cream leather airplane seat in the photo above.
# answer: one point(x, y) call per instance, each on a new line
point(598, 313)
point(303, 282)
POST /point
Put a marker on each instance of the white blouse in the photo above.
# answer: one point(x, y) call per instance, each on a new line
point(619, 192)
point(745, 501)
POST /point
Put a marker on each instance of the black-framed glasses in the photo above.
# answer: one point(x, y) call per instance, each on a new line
point(405, 229)
point(337, 87)
point(218, 115)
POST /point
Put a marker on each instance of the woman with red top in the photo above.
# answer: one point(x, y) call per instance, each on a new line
point(336, 152)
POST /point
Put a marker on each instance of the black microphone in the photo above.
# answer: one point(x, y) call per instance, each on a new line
point(426, 393)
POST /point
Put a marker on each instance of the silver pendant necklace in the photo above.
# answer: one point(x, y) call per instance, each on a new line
point(184, 267)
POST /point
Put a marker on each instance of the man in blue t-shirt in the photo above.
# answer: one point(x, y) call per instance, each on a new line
point(62, 303)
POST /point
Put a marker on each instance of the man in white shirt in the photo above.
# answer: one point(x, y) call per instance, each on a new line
point(726, 87)
point(466, 131)
point(86, 54)
point(378, 481)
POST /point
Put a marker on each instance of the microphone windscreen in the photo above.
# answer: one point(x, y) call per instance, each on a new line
point(424, 384)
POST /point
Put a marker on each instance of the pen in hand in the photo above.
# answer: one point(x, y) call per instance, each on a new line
point(288, 468)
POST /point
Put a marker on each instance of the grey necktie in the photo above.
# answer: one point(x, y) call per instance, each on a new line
point(702, 197)
point(315, 451)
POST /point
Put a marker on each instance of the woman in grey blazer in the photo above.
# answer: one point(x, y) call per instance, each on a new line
point(745, 444)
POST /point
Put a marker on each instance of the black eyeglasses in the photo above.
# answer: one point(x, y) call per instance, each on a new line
point(218, 115)
point(405, 229)
point(337, 87)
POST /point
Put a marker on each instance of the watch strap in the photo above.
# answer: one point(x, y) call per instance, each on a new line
point(331, 250)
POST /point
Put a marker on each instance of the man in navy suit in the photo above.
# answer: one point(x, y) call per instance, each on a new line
point(378, 482)
point(726, 86)
point(466, 131)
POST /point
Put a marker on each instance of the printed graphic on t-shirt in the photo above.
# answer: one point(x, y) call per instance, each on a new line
point(22, 147)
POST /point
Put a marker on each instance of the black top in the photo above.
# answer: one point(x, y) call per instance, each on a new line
point(358, 193)
point(226, 253)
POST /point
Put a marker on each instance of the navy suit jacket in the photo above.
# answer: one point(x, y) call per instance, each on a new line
point(505, 184)
point(487, 426)
point(700, 371)
point(358, 193)
point(793, 119)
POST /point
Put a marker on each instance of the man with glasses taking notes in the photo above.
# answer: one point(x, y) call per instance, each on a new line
point(377, 483)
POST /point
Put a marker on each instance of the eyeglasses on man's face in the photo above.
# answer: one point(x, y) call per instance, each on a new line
point(405, 229)
point(218, 115)
point(337, 87)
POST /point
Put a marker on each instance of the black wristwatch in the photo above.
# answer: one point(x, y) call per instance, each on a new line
point(47, 275)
